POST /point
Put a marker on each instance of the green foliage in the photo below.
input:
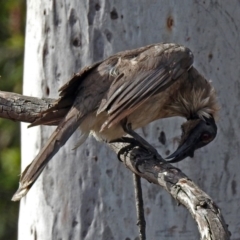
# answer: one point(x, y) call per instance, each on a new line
point(12, 24)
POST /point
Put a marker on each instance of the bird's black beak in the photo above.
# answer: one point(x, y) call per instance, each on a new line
point(196, 134)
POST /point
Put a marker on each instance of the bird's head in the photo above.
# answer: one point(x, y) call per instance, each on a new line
point(196, 133)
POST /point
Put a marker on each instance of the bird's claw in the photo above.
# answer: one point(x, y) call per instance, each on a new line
point(127, 127)
point(136, 143)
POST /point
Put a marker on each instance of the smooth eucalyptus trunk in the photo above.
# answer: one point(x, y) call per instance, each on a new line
point(87, 193)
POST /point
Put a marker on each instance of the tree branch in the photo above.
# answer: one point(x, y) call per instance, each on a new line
point(139, 207)
point(206, 213)
point(17, 107)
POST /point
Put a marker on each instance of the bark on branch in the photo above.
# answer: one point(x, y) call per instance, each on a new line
point(206, 213)
point(17, 107)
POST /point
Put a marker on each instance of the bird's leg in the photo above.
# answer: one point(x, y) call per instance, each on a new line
point(136, 141)
point(125, 150)
point(141, 142)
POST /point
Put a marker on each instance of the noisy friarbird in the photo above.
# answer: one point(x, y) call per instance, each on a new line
point(132, 87)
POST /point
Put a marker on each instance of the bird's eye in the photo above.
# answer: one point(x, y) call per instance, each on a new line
point(206, 137)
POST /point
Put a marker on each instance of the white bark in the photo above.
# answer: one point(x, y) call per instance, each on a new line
point(88, 194)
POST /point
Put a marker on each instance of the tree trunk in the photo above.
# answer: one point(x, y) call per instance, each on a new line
point(86, 193)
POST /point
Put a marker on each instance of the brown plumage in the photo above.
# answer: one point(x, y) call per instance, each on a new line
point(139, 86)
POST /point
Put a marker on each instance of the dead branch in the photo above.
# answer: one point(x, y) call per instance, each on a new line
point(139, 207)
point(17, 107)
point(206, 213)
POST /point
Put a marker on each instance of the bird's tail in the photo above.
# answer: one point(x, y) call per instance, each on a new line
point(58, 138)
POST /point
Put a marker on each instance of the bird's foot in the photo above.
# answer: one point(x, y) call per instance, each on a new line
point(136, 141)
point(142, 142)
point(125, 150)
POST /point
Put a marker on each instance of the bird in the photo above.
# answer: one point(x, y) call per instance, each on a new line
point(126, 91)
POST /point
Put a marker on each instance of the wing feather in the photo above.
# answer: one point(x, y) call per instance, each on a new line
point(149, 73)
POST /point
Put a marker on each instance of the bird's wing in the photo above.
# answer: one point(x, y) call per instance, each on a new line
point(67, 92)
point(139, 78)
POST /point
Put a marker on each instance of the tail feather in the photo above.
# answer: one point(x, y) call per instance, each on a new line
point(58, 138)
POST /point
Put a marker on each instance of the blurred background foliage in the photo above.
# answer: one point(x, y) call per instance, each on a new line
point(12, 30)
